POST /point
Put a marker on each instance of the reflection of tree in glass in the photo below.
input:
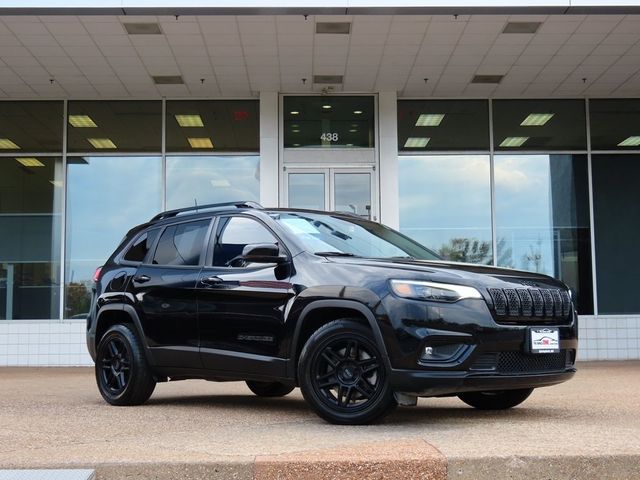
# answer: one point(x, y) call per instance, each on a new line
point(534, 258)
point(78, 299)
point(468, 250)
point(505, 254)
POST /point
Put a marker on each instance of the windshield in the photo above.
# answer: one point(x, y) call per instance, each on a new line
point(331, 235)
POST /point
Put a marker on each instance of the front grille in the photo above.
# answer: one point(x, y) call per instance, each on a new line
point(527, 303)
point(520, 362)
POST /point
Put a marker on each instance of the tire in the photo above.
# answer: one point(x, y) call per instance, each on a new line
point(122, 373)
point(270, 389)
point(343, 375)
point(496, 400)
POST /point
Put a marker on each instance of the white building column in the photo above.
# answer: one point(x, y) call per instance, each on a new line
point(269, 149)
point(388, 148)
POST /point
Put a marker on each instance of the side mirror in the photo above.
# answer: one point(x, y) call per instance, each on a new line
point(262, 253)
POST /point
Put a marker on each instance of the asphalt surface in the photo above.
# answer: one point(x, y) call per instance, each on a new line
point(588, 427)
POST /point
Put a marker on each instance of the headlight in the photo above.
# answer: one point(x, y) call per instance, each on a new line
point(437, 292)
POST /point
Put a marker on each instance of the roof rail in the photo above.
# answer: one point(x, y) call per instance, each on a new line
point(197, 208)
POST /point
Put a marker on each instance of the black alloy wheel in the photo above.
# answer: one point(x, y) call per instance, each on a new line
point(122, 373)
point(343, 375)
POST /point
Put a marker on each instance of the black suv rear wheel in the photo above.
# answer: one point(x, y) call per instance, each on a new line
point(122, 373)
point(496, 400)
point(343, 375)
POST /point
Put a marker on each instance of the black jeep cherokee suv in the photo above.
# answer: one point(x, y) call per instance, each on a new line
point(357, 315)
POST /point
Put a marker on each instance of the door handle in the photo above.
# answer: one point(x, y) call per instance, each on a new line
point(141, 278)
point(211, 281)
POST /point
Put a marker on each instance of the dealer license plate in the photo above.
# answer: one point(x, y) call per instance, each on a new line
point(544, 340)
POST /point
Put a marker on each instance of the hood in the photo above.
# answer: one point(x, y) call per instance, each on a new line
point(455, 272)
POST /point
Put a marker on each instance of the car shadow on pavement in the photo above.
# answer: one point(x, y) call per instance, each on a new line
point(237, 402)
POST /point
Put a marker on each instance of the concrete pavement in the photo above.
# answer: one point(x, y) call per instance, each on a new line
point(588, 427)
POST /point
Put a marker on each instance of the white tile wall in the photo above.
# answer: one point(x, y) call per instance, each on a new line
point(54, 343)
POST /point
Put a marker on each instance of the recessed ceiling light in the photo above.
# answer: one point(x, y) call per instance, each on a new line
point(536, 119)
point(295, 125)
point(295, 112)
point(416, 142)
point(358, 112)
point(30, 162)
point(339, 28)
point(514, 141)
point(220, 183)
point(296, 144)
point(630, 142)
point(327, 79)
point(353, 130)
point(168, 79)
point(189, 120)
point(200, 142)
point(6, 144)
point(295, 130)
point(56, 183)
point(81, 121)
point(487, 78)
point(349, 144)
point(101, 143)
point(521, 27)
point(430, 120)
point(326, 107)
point(148, 28)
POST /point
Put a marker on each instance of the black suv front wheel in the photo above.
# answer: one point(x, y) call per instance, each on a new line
point(343, 375)
point(122, 373)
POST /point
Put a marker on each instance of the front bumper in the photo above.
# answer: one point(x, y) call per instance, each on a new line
point(433, 384)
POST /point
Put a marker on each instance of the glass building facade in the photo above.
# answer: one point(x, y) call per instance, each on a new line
point(539, 185)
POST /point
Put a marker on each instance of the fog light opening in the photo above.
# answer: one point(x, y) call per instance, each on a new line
point(441, 353)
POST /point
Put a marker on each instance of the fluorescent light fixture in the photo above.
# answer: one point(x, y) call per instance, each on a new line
point(6, 144)
point(81, 121)
point(326, 107)
point(200, 142)
point(430, 119)
point(56, 183)
point(630, 142)
point(416, 142)
point(189, 120)
point(334, 28)
point(222, 183)
point(296, 144)
point(349, 144)
point(101, 143)
point(514, 141)
point(294, 112)
point(358, 112)
point(536, 119)
point(295, 130)
point(295, 125)
point(30, 162)
point(147, 28)
point(353, 130)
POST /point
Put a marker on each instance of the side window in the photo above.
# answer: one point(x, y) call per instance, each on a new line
point(141, 246)
point(181, 244)
point(234, 234)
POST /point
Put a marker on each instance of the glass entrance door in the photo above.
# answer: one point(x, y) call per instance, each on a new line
point(349, 190)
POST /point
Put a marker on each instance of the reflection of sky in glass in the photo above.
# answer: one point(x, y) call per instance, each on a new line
point(306, 190)
point(524, 214)
point(107, 196)
point(445, 197)
point(212, 179)
point(353, 193)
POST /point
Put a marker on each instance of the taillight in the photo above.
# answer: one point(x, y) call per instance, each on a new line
point(96, 275)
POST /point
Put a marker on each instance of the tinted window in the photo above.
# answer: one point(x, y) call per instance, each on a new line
point(141, 246)
point(614, 124)
point(31, 126)
point(181, 244)
point(235, 234)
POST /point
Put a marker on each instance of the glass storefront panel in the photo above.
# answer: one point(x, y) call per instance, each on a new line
point(616, 209)
point(615, 124)
point(445, 204)
point(32, 126)
point(443, 125)
point(307, 190)
point(106, 197)
point(329, 122)
point(212, 179)
point(542, 219)
point(220, 125)
point(30, 222)
point(539, 125)
point(114, 126)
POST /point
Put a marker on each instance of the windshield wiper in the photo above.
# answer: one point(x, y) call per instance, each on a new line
point(336, 254)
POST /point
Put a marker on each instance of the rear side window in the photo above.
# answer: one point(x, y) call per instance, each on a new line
point(181, 244)
point(138, 251)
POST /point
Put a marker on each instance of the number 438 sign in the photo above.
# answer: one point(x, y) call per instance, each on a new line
point(329, 137)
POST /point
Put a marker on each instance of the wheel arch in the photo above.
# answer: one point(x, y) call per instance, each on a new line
point(321, 312)
point(115, 314)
